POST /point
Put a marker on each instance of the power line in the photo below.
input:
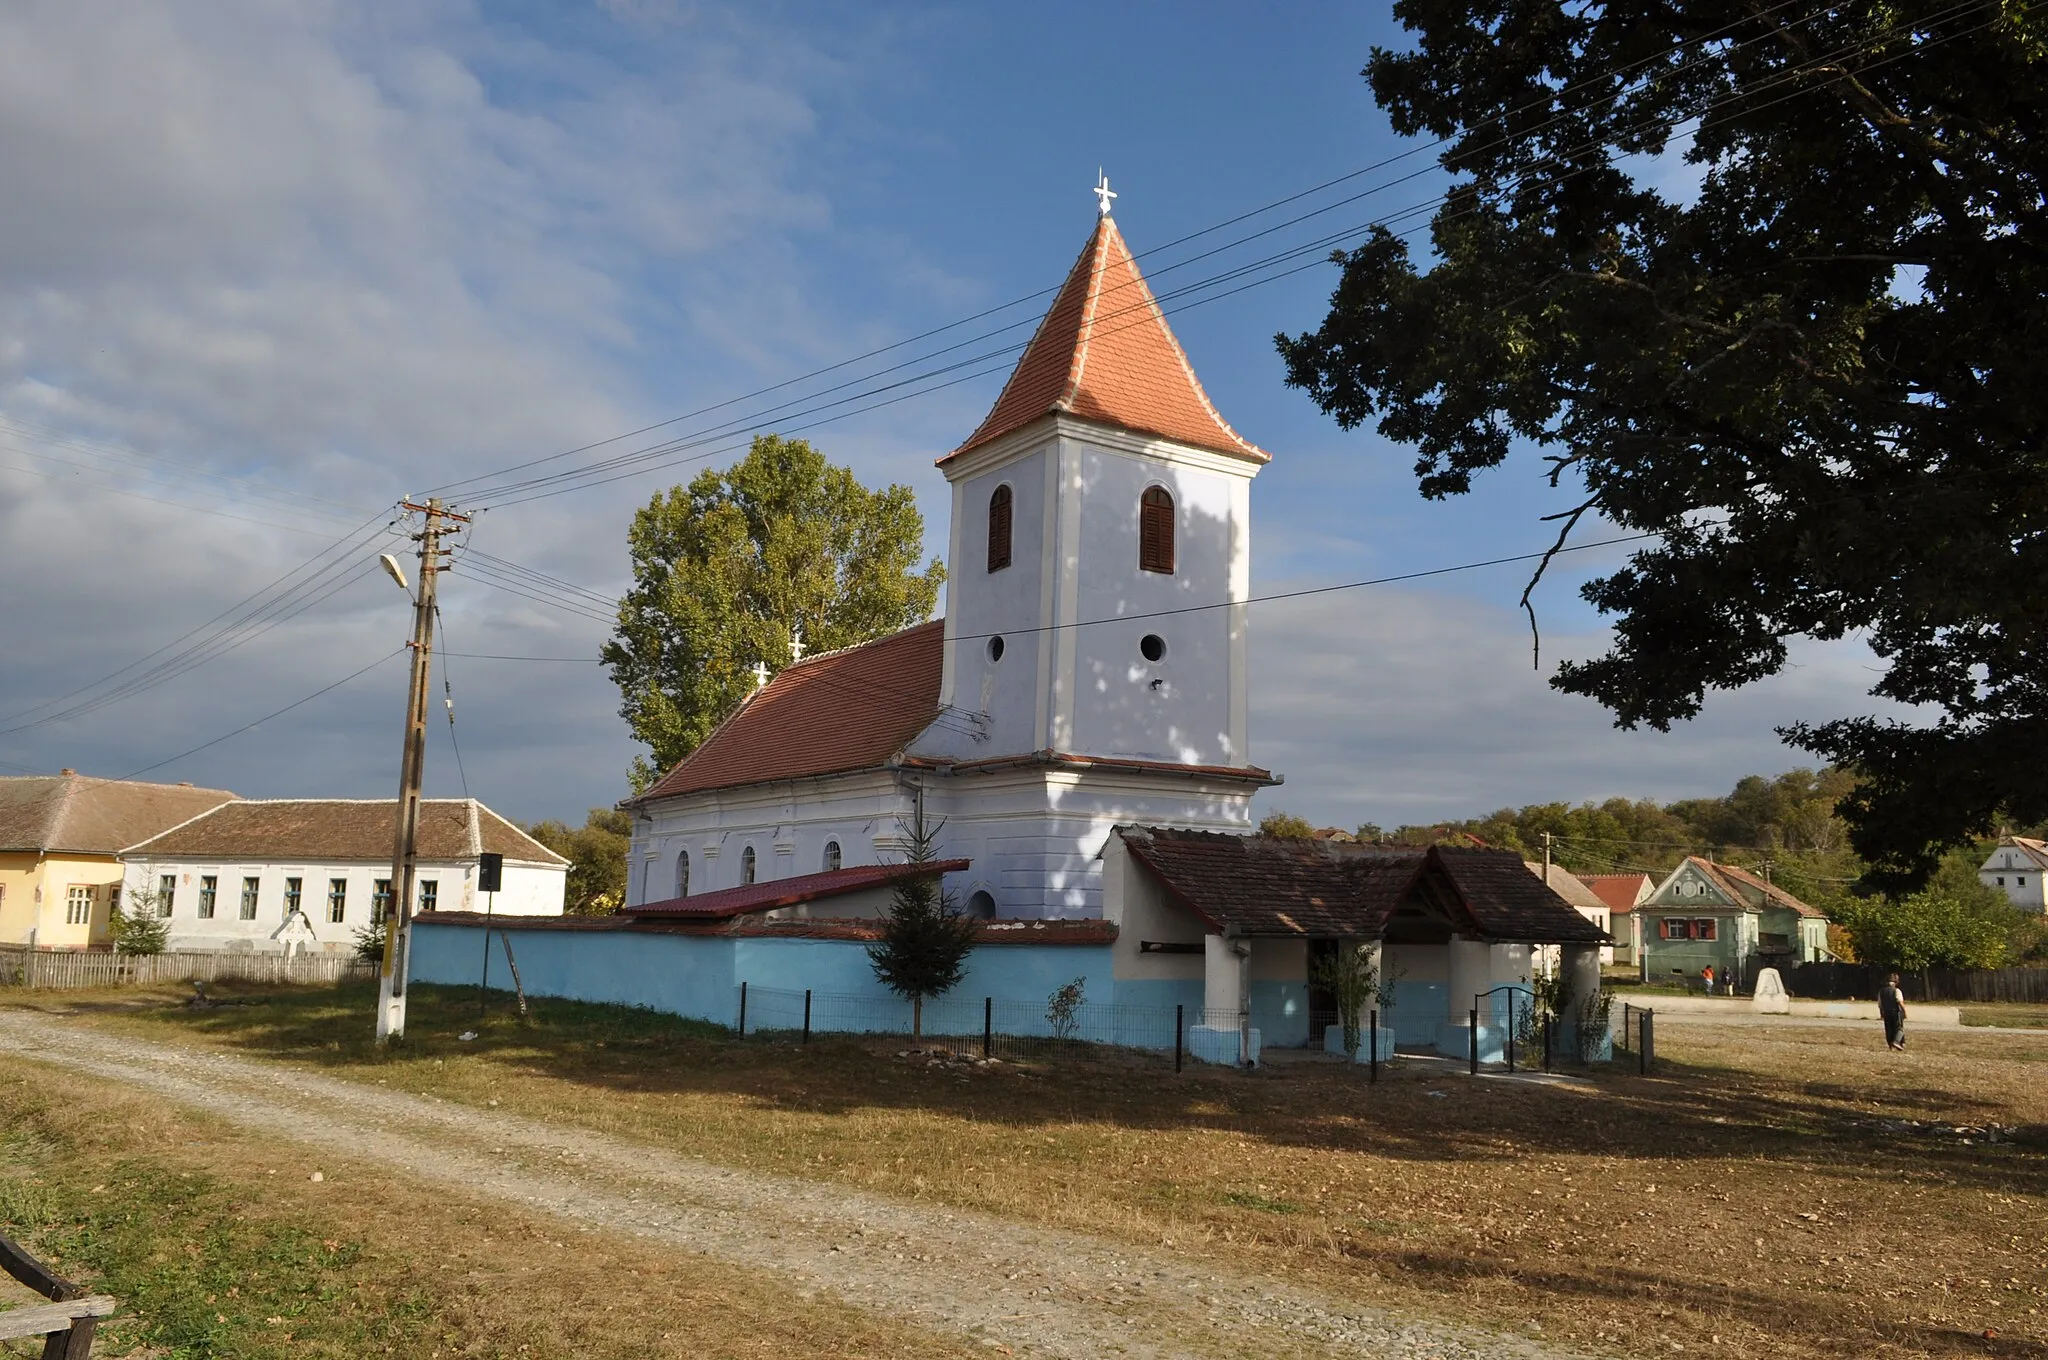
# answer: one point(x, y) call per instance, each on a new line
point(1546, 99)
point(275, 713)
point(659, 455)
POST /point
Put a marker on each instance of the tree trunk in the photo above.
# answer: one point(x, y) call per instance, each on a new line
point(917, 1017)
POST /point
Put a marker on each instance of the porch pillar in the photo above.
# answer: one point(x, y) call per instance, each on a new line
point(1471, 972)
point(1582, 969)
point(1226, 980)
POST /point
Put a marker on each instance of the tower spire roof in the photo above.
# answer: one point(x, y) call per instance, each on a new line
point(1105, 353)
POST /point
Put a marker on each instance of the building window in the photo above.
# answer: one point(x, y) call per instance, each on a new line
point(209, 889)
point(1674, 928)
point(682, 873)
point(2001, 880)
point(291, 897)
point(249, 887)
point(430, 893)
point(981, 905)
point(1704, 928)
point(380, 900)
point(747, 865)
point(113, 899)
point(1155, 531)
point(166, 889)
point(832, 856)
point(999, 529)
point(78, 907)
point(2021, 880)
point(337, 900)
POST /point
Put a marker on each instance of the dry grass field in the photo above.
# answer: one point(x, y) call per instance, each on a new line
point(1768, 1191)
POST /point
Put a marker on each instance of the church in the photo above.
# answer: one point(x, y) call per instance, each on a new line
point(1075, 728)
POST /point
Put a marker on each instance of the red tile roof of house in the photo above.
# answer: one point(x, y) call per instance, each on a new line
point(852, 709)
point(1279, 885)
point(72, 812)
point(789, 892)
point(451, 829)
point(1769, 891)
point(1104, 353)
point(1619, 891)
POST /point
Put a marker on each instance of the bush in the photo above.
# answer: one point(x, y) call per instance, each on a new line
point(1062, 1008)
point(370, 943)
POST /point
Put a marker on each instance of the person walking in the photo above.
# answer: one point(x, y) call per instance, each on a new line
point(1707, 979)
point(1891, 1007)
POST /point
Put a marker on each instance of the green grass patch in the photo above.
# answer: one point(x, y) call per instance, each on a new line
point(2006, 1016)
point(1245, 1199)
point(199, 1269)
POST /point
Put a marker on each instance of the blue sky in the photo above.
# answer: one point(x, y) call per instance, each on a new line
point(347, 252)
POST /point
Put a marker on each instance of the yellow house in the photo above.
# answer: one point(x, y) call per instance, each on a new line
point(60, 841)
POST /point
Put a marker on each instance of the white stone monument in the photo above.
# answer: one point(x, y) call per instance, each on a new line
point(1770, 998)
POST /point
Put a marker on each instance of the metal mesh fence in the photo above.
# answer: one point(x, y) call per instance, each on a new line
point(989, 1027)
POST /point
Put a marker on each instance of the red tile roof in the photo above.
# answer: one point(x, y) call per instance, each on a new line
point(1771, 893)
point(71, 812)
point(999, 932)
point(788, 892)
point(1619, 891)
point(451, 829)
point(852, 709)
point(1104, 353)
point(1278, 885)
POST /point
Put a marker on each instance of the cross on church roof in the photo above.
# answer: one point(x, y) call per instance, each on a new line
point(1103, 193)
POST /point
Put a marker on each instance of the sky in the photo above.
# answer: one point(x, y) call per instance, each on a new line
point(267, 267)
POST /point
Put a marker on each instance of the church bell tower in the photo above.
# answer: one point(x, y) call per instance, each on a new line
point(1100, 556)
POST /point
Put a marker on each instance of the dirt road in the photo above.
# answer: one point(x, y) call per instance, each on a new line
point(1033, 1291)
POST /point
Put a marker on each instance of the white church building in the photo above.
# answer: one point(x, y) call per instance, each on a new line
point(1076, 727)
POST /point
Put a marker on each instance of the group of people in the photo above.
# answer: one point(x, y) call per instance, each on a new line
point(1891, 1006)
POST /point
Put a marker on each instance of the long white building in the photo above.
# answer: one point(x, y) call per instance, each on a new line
point(308, 873)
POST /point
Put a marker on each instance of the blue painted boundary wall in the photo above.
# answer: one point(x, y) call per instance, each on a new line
point(699, 976)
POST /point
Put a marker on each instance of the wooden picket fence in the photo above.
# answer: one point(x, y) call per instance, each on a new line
point(1842, 981)
point(21, 966)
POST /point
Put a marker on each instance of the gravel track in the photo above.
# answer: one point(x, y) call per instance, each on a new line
point(1033, 1291)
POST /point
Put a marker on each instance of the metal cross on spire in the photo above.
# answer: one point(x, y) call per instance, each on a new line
point(1103, 193)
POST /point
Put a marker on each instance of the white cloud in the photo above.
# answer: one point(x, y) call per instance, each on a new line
point(1399, 706)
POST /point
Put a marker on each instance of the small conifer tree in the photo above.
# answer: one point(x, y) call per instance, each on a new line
point(925, 940)
point(142, 930)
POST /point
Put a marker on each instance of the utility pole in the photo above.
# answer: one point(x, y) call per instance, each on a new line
point(412, 771)
point(1547, 838)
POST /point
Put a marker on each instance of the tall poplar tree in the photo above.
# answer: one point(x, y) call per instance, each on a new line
point(729, 570)
point(1819, 377)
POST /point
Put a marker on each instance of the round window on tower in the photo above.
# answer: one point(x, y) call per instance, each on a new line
point(995, 648)
point(1152, 647)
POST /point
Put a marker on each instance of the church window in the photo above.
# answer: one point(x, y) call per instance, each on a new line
point(747, 866)
point(995, 648)
point(1155, 531)
point(981, 905)
point(1152, 647)
point(682, 873)
point(999, 529)
point(832, 856)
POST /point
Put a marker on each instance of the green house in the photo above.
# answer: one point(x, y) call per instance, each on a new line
point(1715, 915)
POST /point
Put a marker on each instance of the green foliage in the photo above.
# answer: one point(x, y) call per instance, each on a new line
point(1817, 380)
point(1286, 824)
point(369, 942)
point(925, 940)
point(596, 852)
point(727, 571)
point(1351, 975)
point(1954, 922)
point(141, 930)
point(1063, 1007)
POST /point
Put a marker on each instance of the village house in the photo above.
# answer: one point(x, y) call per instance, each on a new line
point(1073, 732)
point(2018, 867)
point(1580, 898)
point(61, 838)
point(1622, 893)
point(290, 874)
point(1715, 915)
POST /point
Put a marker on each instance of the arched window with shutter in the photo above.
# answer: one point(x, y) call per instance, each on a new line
point(747, 865)
point(682, 873)
point(1155, 531)
point(832, 857)
point(999, 529)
